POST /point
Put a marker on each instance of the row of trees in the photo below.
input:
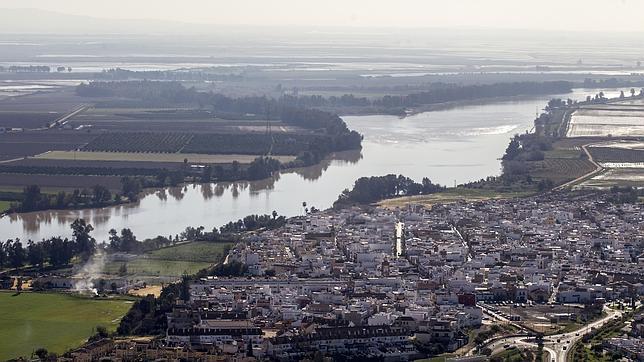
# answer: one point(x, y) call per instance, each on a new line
point(333, 133)
point(55, 251)
point(33, 199)
point(375, 188)
point(438, 93)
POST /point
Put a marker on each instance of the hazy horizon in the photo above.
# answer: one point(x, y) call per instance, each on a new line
point(547, 15)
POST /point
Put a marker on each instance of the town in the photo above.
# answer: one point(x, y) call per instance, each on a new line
point(472, 279)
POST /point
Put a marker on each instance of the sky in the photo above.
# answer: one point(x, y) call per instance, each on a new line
point(567, 15)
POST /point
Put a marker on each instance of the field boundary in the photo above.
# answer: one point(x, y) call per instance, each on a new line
point(598, 169)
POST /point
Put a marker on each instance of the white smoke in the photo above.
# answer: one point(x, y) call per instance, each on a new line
point(84, 279)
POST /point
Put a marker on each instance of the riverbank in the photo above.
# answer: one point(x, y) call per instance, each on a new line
point(459, 146)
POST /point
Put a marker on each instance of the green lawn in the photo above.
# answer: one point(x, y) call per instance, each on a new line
point(57, 322)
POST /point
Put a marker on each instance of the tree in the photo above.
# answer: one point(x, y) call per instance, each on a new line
point(304, 206)
point(85, 243)
point(35, 254)
point(274, 213)
point(101, 194)
point(184, 288)
point(15, 253)
point(621, 94)
point(131, 187)
point(101, 285)
point(632, 92)
point(41, 353)
point(123, 269)
point(113, 287)
point(60, 251)
point(32, 199)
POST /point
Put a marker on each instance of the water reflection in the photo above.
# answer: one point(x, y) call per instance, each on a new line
point(455, 145)
point(313, 173)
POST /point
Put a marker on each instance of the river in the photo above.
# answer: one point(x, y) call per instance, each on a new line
point(448, 146)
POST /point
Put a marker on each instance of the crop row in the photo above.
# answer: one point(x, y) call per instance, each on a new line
point(253, 143)
point(139, 142)
point(206, 143)
point(607, 154)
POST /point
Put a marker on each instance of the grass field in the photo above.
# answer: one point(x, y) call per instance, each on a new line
point(153, 157)
point(172, 261)
point(196, 251)
point(451, 195)
point(143, 267)
point(4, 205)
point(57, 322)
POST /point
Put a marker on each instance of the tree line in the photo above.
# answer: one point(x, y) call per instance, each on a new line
point(376, 188)
point(54, 251)
point(438, 93)
point(331, 131)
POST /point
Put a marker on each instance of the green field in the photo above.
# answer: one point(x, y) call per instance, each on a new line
point(195, 251)
point(4, 205)
point(57, 322)
point(156, 268)
point(173, 261)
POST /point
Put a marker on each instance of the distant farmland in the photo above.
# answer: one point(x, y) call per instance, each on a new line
point(608, 120)
point(152, 157)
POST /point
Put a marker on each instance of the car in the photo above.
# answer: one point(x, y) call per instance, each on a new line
point(506, 346)
point(577, 334)
point(564, 348)
point(558, 340)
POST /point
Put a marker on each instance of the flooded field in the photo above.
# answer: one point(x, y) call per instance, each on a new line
point(618, 119)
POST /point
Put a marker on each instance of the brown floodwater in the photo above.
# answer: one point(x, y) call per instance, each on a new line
point(448, 146)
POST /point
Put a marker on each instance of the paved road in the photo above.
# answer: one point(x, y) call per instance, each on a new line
point(553, 344)
point(567, 340)
point(64, 119)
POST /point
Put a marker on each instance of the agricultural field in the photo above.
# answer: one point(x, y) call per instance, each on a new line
point(211, 143)
point(29, 143)
point(609, 120)
point(57, 322)
point(139, 142)
point(59, 100)
point(171, 120)
point(622, 155)
point(40, 161)
point(27, 120)
point(560, 170)
point(152, 157)
point(616, 177)
point(16, 181)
